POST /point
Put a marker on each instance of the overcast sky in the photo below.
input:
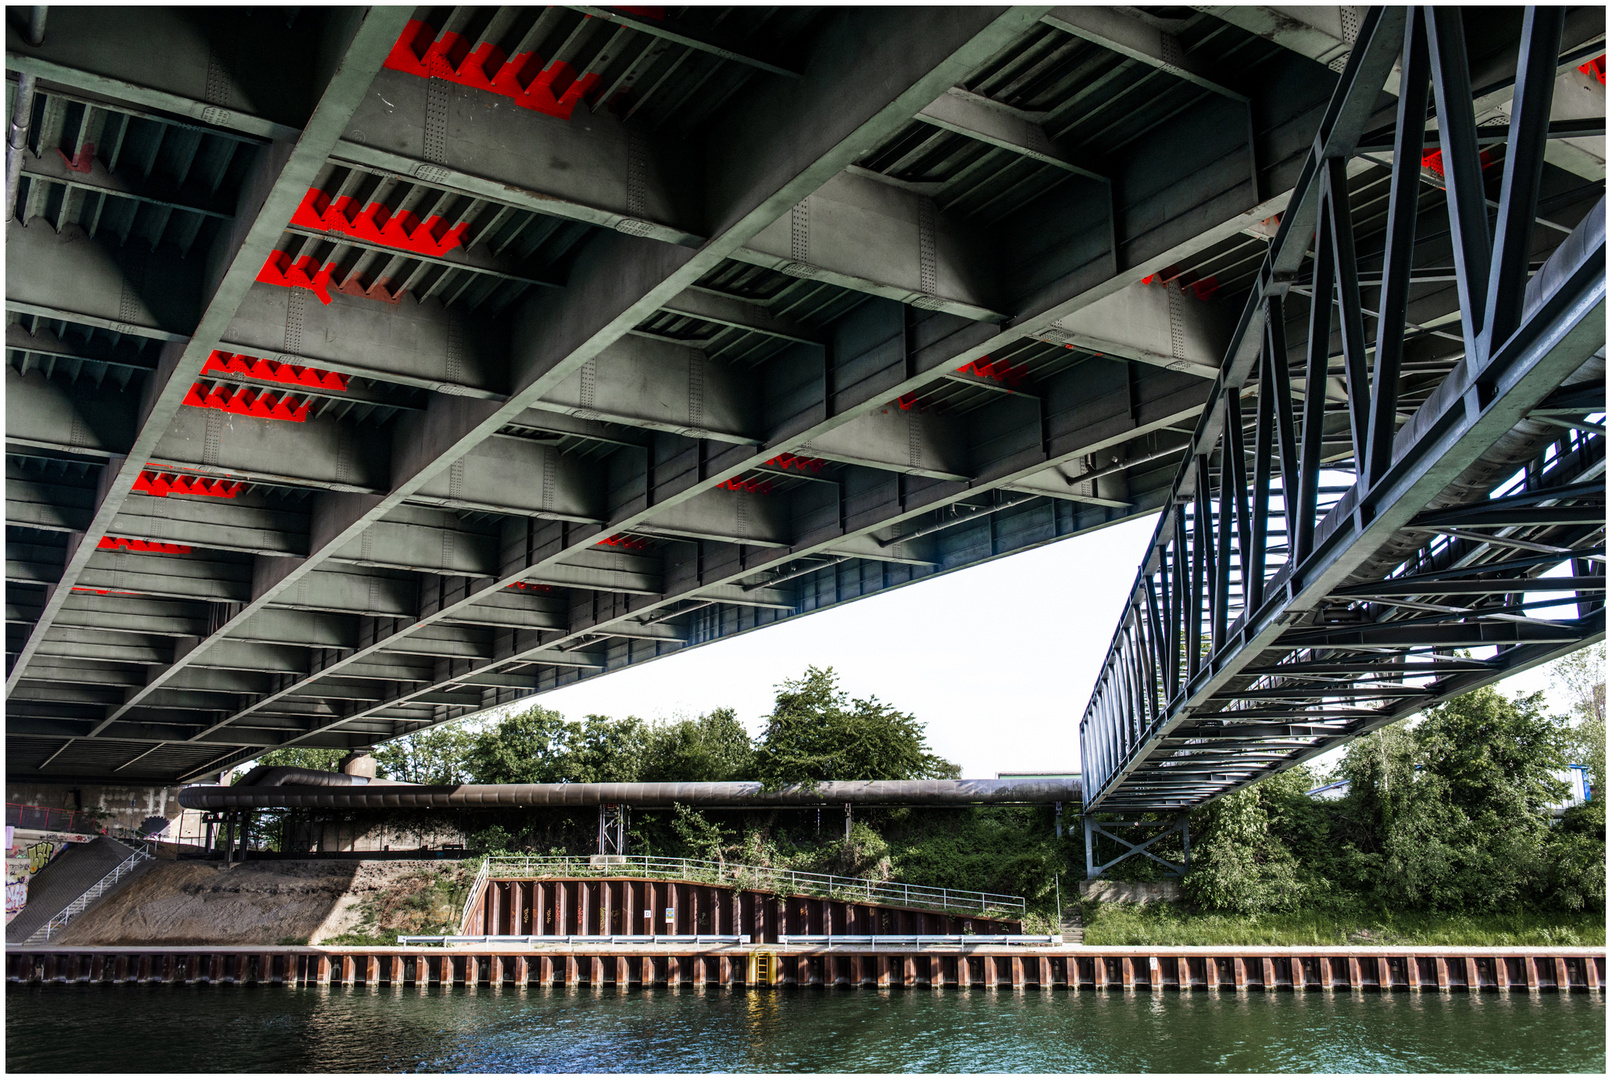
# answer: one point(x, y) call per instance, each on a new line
point(997, 660)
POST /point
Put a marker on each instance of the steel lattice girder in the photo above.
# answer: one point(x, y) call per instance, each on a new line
point(1369, 584)
point(749, 382)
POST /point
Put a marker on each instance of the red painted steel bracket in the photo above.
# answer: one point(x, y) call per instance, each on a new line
point(247, 402)
point(164, 484)
point(795, 461)
point(376, 224)
point(626, 543)
point(996, 370)
point(84, 160)
point(553, 90)
point(306, 273)
point(111, 543)
point(739, 483)
point(255, 367)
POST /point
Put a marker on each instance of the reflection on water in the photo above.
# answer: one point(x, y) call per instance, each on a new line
point(74, 1028)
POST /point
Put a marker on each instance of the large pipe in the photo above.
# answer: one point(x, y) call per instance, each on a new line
point(339, 792)
point(22, 112)
point(278, 775)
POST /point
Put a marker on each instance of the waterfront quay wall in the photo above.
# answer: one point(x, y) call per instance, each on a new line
point(1075, 968)
point(626, 906)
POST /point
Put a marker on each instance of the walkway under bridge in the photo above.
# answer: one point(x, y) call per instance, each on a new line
point(1397, 493)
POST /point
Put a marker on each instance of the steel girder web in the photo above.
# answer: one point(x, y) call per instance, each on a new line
point(1301, 590)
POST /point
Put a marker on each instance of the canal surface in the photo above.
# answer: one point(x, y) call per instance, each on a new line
point(93, 1029)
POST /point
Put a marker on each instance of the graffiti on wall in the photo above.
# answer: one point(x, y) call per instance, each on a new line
point(25, 858)
point(41, 853)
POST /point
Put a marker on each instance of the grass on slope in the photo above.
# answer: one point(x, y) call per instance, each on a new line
point(1169, 924)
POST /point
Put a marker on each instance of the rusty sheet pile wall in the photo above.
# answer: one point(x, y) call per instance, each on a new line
point(625, 906)
point(1562, 971)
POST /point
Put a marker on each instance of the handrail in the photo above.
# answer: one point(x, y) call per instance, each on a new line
point(575, 939)
point(917, 941)
point(76, 821)
point(139, 854)
point(475, 895)
point(765, 878)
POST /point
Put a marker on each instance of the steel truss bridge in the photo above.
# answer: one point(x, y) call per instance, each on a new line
point(367, 369)
point(1377, 512)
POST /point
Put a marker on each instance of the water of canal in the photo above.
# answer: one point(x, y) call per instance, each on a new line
point(161, 1028)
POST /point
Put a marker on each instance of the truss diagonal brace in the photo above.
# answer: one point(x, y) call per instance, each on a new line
point(1094, 829)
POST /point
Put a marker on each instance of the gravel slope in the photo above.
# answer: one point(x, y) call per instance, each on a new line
point(266, 903)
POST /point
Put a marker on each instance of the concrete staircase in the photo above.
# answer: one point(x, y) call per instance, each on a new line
point(1073, 932)
point(66, 878)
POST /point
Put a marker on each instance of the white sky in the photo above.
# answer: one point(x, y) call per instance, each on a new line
point(997, 660)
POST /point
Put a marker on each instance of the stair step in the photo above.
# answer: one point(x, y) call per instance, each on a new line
point(63, 881)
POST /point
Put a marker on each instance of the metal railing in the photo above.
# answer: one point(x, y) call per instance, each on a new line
point(140, 854)
point(917, 941)
point(761, 878)
point(576, 939)
point(50, 819)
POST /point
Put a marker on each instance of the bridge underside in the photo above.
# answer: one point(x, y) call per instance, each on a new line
point(1312, 582)
point(367, 370)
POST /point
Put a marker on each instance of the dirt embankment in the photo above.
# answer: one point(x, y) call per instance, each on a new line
point(266, 903)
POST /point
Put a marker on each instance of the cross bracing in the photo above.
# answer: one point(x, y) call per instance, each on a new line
point(784, 307)
point(1316, 577)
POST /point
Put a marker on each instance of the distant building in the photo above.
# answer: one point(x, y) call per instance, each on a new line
point(1038, 776)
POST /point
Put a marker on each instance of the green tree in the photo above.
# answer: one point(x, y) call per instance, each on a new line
point(539, 746)
point(817, 732)
point(608, 751)
point(435, 755)
point(1378, 766)
point(708, 748)
point(1243, 859)
point(1583, 676)
point(531, 747)
point(700, 836)
point(1452, 813)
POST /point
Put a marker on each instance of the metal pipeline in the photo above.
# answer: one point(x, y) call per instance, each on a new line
point(942, 526)
point(1121, 466)
point(280, 775)
point(22, 112)
point(337, 791)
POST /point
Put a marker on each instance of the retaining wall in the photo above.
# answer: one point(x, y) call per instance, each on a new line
point(1074, 969)
point(584, 906)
